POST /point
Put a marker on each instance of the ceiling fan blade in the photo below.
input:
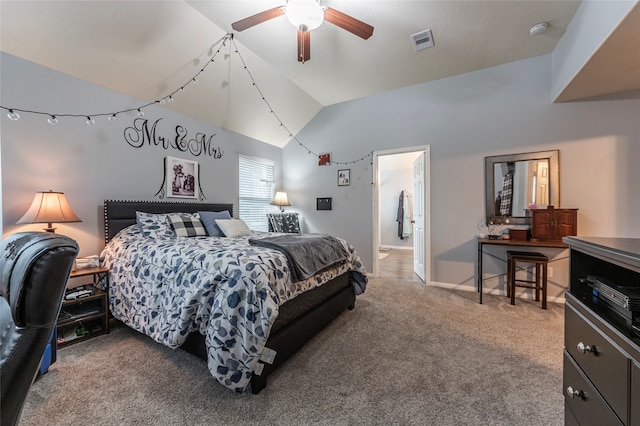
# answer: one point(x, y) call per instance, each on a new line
point(304, 46)
point(349, 23)
point(258, 18)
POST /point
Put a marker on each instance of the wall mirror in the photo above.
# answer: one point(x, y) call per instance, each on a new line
point(517, 182)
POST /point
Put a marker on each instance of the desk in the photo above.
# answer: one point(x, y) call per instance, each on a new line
point(511, 243)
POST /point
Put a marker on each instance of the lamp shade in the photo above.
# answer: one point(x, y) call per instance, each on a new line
point(281, 199)
point(48, 207)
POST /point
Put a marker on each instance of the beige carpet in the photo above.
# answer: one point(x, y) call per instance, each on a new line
point(406, 355)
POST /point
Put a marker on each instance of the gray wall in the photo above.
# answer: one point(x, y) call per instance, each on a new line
point(505, 109)
point(93, 163)
point(501, 110)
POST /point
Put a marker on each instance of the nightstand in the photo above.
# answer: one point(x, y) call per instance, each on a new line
point(87, 316)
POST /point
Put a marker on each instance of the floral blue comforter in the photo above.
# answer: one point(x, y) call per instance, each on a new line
point(223, 288)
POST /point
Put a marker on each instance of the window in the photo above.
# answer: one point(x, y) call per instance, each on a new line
point(256, 177)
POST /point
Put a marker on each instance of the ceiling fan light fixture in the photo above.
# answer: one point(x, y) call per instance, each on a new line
point(305, 15)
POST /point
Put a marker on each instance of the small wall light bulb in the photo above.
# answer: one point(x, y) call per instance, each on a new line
point(90, 121)
point(13, 115)
point(112, 117)
point(52, 120)
point(140, 113)
point(170, 99)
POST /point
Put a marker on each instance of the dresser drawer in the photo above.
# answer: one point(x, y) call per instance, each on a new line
point(587, 405)
point(635, 394)
point(601, 360)
point(569, 417)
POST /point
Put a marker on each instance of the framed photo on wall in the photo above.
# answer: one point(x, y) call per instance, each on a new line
point(343, 177)
point(181, 178)
point(324, 159)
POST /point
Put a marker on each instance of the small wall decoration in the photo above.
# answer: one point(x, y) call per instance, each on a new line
point(142, 133)
point(343, 177)
point(323, 203)
point(181, 178)
point(324, 159)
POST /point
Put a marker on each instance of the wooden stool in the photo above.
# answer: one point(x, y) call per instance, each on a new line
point(539, 284)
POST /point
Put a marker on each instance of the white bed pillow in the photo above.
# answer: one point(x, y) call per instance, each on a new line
point(233, 227)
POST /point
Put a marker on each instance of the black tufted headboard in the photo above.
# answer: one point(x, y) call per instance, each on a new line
point(119, 214)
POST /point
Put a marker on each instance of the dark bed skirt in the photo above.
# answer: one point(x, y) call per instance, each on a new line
point(298, 321)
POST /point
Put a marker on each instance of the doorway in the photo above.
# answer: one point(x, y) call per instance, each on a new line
point(401, 182)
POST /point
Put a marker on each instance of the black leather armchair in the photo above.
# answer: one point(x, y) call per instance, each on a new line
point(34, 269)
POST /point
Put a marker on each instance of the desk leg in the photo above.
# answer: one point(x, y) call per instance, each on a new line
point(479, 285)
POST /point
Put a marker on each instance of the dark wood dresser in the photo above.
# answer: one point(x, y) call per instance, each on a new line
point(601, 379)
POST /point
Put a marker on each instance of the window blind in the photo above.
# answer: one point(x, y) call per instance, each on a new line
point(256, 177)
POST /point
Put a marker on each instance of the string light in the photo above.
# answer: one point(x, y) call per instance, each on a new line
point(12, 113)
point(282, 125)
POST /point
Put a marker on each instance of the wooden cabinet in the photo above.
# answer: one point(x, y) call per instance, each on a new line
point(602, 352)
point(553, 224)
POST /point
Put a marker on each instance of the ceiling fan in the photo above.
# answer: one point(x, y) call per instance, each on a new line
point(307, 15)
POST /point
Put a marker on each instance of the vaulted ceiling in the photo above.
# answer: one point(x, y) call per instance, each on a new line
point(148, 49)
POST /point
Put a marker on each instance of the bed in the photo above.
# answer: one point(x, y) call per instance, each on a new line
point(174, 292)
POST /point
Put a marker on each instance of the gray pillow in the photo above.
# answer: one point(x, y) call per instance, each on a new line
point(208, 219)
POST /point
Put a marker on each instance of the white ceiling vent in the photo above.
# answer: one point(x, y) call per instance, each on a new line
point(422, 40)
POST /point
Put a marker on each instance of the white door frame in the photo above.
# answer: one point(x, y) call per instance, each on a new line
point(427, 205)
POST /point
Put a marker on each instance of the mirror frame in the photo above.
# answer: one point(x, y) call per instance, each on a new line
point(489, 181)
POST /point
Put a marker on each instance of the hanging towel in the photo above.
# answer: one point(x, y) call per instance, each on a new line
point(407, 221)
point(507, 190)
point(400, 215)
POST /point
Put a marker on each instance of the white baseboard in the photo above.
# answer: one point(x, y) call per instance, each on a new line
point(396, 247)
point(493, 291)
